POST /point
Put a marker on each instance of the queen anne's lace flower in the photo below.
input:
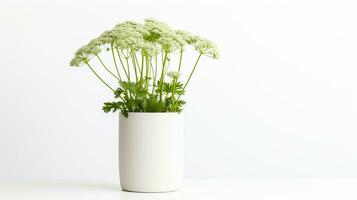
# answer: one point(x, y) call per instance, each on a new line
point(76, 61)
point(126, 37)
point(185, 36)
point(106, 38)
point(84, 54)
point(174, 74)
point(161, 33)
point(149, 38)
point(148, 48)
point(140, 28)
point(205, 47)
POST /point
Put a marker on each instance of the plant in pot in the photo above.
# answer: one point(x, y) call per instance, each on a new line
point(148, 96)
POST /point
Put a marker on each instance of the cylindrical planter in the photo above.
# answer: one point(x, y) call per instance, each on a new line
point(151, 152)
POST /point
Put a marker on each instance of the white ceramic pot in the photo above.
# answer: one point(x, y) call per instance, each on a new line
point(151, 152)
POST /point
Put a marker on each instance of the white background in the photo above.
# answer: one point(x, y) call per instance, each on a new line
point(279, 104)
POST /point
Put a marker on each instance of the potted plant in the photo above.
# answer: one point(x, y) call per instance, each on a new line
point(148, 96)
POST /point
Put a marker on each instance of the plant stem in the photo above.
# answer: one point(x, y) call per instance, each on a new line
point(175, 80)
point(162, 74)
point(122, 64)
point(137, 62)
point(189, 78)
point(179, 68)
point(99, 76)
point(106, 67)
point(134, 64)
point(147, 71)
point(115, 62)
point(142, 67)
point(173, 94)
point(155, 75)
point(151, 75)
point(167, 64)
point(128, 67)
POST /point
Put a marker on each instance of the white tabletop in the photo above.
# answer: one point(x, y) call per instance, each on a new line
point(195, 190)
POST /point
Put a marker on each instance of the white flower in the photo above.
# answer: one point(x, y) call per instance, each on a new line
point(174, 74)
point(205, 47)
point(185, 36)
point(149, 38)
point(76, 61)
point(161, 33)
point(127, 37)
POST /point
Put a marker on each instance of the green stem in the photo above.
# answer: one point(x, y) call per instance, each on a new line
point(137, 62)
point(133, 55)
point(189, 78)
point(115, 62)
point(175, 80)
point(155, 75)
point(122, 64)
point(128, 67)
point(106, 67)
point(179, 68)
point(162, 74)
point(152, 72)
point(168, 66)
point(173, 94)
point(147, 72)
point(99, 77)
point(142, 67)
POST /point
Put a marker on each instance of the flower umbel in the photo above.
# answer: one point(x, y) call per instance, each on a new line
point(174, 74)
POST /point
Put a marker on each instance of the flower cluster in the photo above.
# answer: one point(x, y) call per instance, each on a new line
point(205, 46)
point(150, 38)
point(141, 55)
point(174, 74)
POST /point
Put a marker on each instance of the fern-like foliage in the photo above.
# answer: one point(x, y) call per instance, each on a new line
point(136, 97)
